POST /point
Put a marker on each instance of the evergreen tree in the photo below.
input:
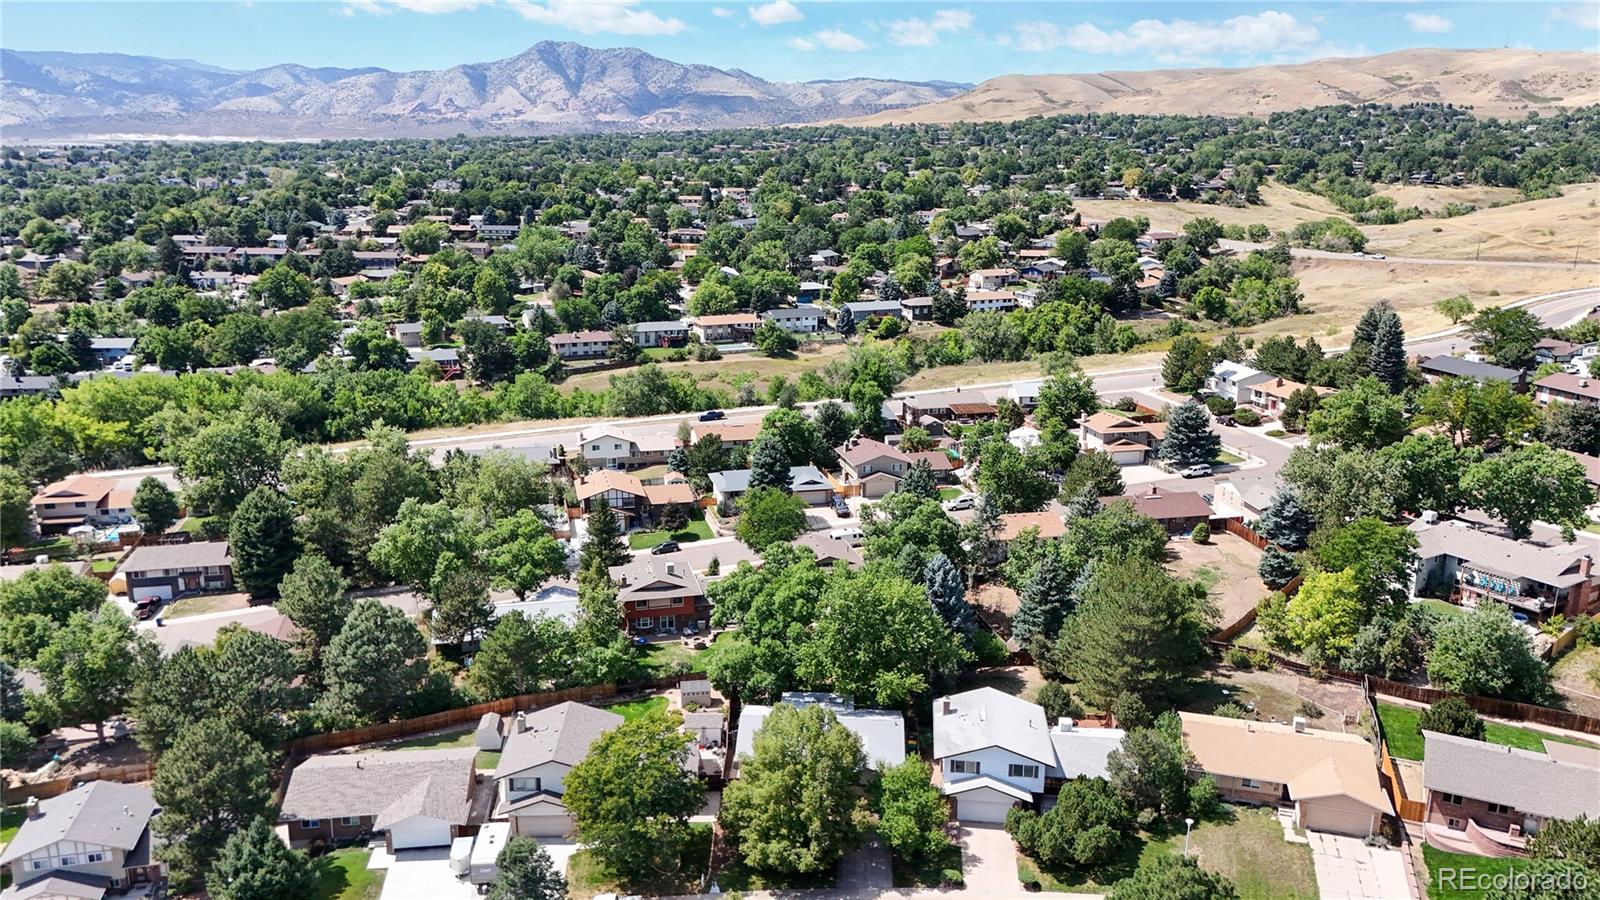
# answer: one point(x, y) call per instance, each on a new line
point(769, 464)
point(1277, 568)
point(374, 665)
point(948, 593)
point(919, 481)
point(1189, 438)
point(1085, 503)
point(261, 540)
point(845, 321)
point(604, 546)
point(210, 784)
point(1046, 599)
point(1287, 521)
point(1389, 353)
point(256, 865)
point(312, 597)
point(524, 871)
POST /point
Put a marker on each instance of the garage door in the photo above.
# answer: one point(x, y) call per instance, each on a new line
point(162, 591)
point(1334, 819)
point(419, 832)
point(973, 808)
point(544, 826)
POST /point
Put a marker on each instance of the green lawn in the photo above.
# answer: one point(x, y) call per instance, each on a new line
point(1483, 866)
point(10, 820)
point(1246, 846)
point(1224, 457)
point(1405, 742)
point(941, 869)
point(192, 524)
point(587, 876)
point(668, 656)
point(697, 530)
point(950, 493)
point(1443, 608)
point(343, 875)
point(635, 709)
point(486, 761)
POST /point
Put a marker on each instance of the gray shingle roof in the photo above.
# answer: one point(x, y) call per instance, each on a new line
point(1556, 564)
point(882, 731)
point(389, 784)
point(1465, 368)
point(561, 733)
point(60, 884)
point(195, 555)
point(1529, 781)
point(986, 717)
point(1084, 751)
point(107, 813)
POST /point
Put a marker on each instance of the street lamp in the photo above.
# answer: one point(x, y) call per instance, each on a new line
point(1188, 825)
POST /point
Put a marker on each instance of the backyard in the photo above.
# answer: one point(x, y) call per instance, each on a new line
point(696, 530)
point(343, 875)
point(636, 709)
point(1577, 676)
point(1226, 566)
point(1245, 845)
point(669, 658)
point(486, 761)
point(587, 876)
point(1405, 742)
point(1448, 868)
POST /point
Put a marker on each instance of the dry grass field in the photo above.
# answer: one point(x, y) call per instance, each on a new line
point(1432, 196)
point(1281, 209)
point(1555, 229)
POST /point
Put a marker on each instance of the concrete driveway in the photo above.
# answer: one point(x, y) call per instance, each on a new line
point(424, 875)
point(988, 861)
point(560, 850)
point(1348, 869)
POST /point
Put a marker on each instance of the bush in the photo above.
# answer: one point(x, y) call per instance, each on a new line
point(1247, 416)
point(1309, 710)
point(1204, 797)
point(1130, 712)
point(1277, 433)
point(1239, 658)
point(1233, 709)
point(1220, 406)
point(988, 649)
point(1201, 533)
point(1452, 715)
point(1058, 702)
point(1126, 404)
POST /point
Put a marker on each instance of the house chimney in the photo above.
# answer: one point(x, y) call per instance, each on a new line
point(521, 724)
point(1300, 724)
point(33, 807)
point(1585, 564)
point(946, 707)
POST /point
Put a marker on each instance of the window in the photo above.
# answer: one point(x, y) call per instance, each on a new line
point(644, 622)
point(350, 821)
point(69, 860)
point(966, 767)
point(1454, 799)
point(1500, 809)
point(527, 784)
point(37, 864)
point(1455, 824)
point(1249, 783)
point(310, 823)
point(1017, 771)
point(94, 857)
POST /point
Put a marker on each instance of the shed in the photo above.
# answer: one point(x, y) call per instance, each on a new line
point(696, 691)
point(491, 732)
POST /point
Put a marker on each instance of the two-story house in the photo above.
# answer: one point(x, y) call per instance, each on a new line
point(415, 798)
point(88, 842)
point(1233, 380)
point(634, 501)
point(666, 333)
point(168, 571)
point(992, 751)
point(875, 467)
point(1566, 388)
point(991, 301)
point(581, 344)
point(1471, 566)
point(803, 319)
point(1129, 442)
point(542, 748)
point(723, 329)
point(1489, 799)
point(660, 596)
point(612, 448)
point(992, 279)
point(79, 500)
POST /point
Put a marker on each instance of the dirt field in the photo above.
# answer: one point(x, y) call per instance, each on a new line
point(1282, 208)
point(1570, 675)
point(1227, 566)
point(1557, 229)
point(1277, 696)
point(1338, 291)
point(1432, 196)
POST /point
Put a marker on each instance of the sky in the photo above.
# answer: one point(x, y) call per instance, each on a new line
point(792, 40)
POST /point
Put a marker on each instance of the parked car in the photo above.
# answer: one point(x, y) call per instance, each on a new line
point(664, 547)
point(146, 608)
point(1376, 256)
point(712, 415)
point(1197, 471)
point(965, 501)
point(841, 508)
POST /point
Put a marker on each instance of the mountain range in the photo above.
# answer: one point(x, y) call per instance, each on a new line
point(557, 87)
point(551, 87)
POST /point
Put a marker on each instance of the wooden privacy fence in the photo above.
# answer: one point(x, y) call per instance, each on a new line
point(1491, 706)
point(44, 790)
point(1238, 528)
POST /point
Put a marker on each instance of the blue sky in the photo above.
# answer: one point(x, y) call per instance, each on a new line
point(789, 39)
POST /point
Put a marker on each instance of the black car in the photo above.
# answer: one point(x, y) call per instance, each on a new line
point(712, 415)
point(841, 508)
point(664, 547)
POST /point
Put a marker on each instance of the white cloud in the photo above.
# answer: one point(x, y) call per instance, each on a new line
point(915, 32)
point(775, 13)
point(840, 40)
point(384, 7)
point(1585, 15)
point(801, 44)
point(1428, 23)
point(721, 12)
point(597, 16)
point(1178, 40)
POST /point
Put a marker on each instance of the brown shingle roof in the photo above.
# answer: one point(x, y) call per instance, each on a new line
point(862, 450)
point(1312, 763)
point(1162, 505)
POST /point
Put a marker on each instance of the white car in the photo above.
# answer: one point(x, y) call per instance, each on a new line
point(1376, 256)
point(965, 501)
point(1197, 471)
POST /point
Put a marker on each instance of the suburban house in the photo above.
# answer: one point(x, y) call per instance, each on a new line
point(1270, 396)
point(806, 319)
point(659, 596)
point(1128, 442)
point(1047, 524)
point(829, 549)
point(946, 406)
point(416, 798)
point(1233, 380)
point(882, 731)
point(1025, 393)
point(1567, 388)
point(809, 292)
point(1556, 350)
point(541, 749)
point(92, 840)
point(806, 482)
point(939, 463)
point(1329, 778)
point(1488, 799)
point(167, 571)
point(1177, 511)
point(409, 334)
point(581, 344)
point(81, 500)
point(991, 301)
point(668, 333)
point(872, 466)
point(447, 358)
point(724, 329)
point(1437, 367)
point(1247, 492)
point(993, 751)
point(991, 279)
point(1472, 566)
point(732, 434)
point(865, 311)
point(634, 501)
point(917, 309)
point(605, 448)
point(108, 350)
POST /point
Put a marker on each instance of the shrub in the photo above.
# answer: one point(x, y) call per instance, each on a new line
point(1309, 710)
point(1452, 715)
point(1130, 712)
point(1220, 406)
point(1058, 702)
point(1277, 433)
point(988, 649)
point(1201, 533)
point(1126, 404)
point(1233, 709)
point(1247, 417)
point(1239, 658)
